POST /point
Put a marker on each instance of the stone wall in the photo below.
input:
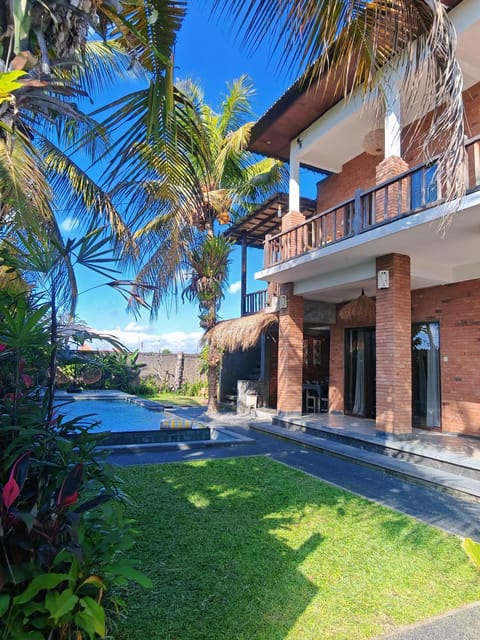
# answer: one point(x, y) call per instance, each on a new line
point(162, 366)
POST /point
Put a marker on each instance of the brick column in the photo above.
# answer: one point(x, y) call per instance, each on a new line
point(389, 204)
point(336, 382)
point(290, 353)
point(292, 242)
point(394, 355)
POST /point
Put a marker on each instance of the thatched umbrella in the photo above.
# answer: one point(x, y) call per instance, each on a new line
point(240, 333)
point(362, 309)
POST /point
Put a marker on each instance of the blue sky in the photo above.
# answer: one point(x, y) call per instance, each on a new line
point(207, 52)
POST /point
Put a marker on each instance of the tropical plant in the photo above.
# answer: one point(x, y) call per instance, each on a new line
point(60, 557)
point(53, 55)
point(47, 265)
point(209, 278)
point(367, 40)
point(183, 246)
point(119, 370)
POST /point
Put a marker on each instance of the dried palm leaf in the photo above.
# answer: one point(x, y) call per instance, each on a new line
point(239, 334)
point(362, 309)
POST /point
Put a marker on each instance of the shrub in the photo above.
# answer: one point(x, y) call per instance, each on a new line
point(64, 543)
point(191, 388)
point(60, 556)
point(146, 387)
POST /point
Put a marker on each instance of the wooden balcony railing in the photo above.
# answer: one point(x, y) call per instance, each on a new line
point(254, 302)
point(417, 189)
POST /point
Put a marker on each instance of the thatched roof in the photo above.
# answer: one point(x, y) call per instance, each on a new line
point(239, 333)
point(362, 309)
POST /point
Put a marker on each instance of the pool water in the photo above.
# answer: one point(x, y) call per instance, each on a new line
point(114, 415)
point(133, 422)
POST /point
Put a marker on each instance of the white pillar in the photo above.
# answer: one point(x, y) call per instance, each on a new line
point(393, 125)
point(294, 183)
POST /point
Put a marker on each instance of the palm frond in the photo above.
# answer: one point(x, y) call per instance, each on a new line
point(147, 31)
point(182, 185)
point(360, 43)
point(236, 107)
point(77, 192)
point(105, 63)
point(26, 195)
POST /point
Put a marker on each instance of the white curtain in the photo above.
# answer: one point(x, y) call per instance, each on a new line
point(433, 378)
point(359, 403)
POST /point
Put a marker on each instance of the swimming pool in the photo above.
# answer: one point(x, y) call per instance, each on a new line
point(114, 415)
point(130, 421)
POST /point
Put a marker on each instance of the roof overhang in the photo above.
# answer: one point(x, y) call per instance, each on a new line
point(266, 219)
point(304, 103)
point(239, 334)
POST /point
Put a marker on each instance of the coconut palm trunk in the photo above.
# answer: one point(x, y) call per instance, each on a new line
point(209, 263)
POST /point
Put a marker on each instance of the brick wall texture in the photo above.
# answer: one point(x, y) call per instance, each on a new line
point(292, 243)
point(393, 348)
point(361, 172)
point(456, 307)
point(290, 353)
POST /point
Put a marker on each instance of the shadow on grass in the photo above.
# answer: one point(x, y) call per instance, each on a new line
point(241, 548)
point(216, 555)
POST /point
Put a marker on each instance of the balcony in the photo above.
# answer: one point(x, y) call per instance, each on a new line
point(254, 302)
point(409, 193)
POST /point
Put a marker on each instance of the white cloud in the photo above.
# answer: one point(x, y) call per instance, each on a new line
point(135, 327)
point(145, 339)
point(68, 224)
point(235, 287)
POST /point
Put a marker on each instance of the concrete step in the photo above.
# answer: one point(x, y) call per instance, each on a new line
point(437, 458)
point(454, 483)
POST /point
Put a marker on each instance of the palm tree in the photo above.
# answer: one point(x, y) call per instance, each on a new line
point(219, 179)
point(48, 61)
point(209, 264)
point(369, 39)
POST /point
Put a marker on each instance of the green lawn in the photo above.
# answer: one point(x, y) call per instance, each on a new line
point(248, 549)
point(176, 399)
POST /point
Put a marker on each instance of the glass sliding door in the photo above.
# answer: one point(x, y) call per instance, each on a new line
point(360, 372)
point(426, 401)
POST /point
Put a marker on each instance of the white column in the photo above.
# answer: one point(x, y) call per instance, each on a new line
point(294, 183)
point(393, 125)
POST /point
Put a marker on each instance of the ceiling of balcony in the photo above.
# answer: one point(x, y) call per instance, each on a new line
point(339, 136)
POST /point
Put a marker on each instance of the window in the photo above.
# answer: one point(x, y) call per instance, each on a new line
point(426, 375)
point(423, 187)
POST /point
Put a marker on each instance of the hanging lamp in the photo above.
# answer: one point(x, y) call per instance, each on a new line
point(362, 309)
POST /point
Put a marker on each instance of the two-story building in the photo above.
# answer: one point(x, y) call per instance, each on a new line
point(406, 352)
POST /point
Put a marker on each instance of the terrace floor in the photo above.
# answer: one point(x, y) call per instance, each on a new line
point(448, 444)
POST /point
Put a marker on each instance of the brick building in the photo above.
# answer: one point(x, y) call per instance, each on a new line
point(377, 225)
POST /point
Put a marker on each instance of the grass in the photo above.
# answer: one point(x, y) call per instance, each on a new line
point(248, 549)
point(178, 400)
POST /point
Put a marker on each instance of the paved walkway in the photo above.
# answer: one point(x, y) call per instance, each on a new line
point(447, 512)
